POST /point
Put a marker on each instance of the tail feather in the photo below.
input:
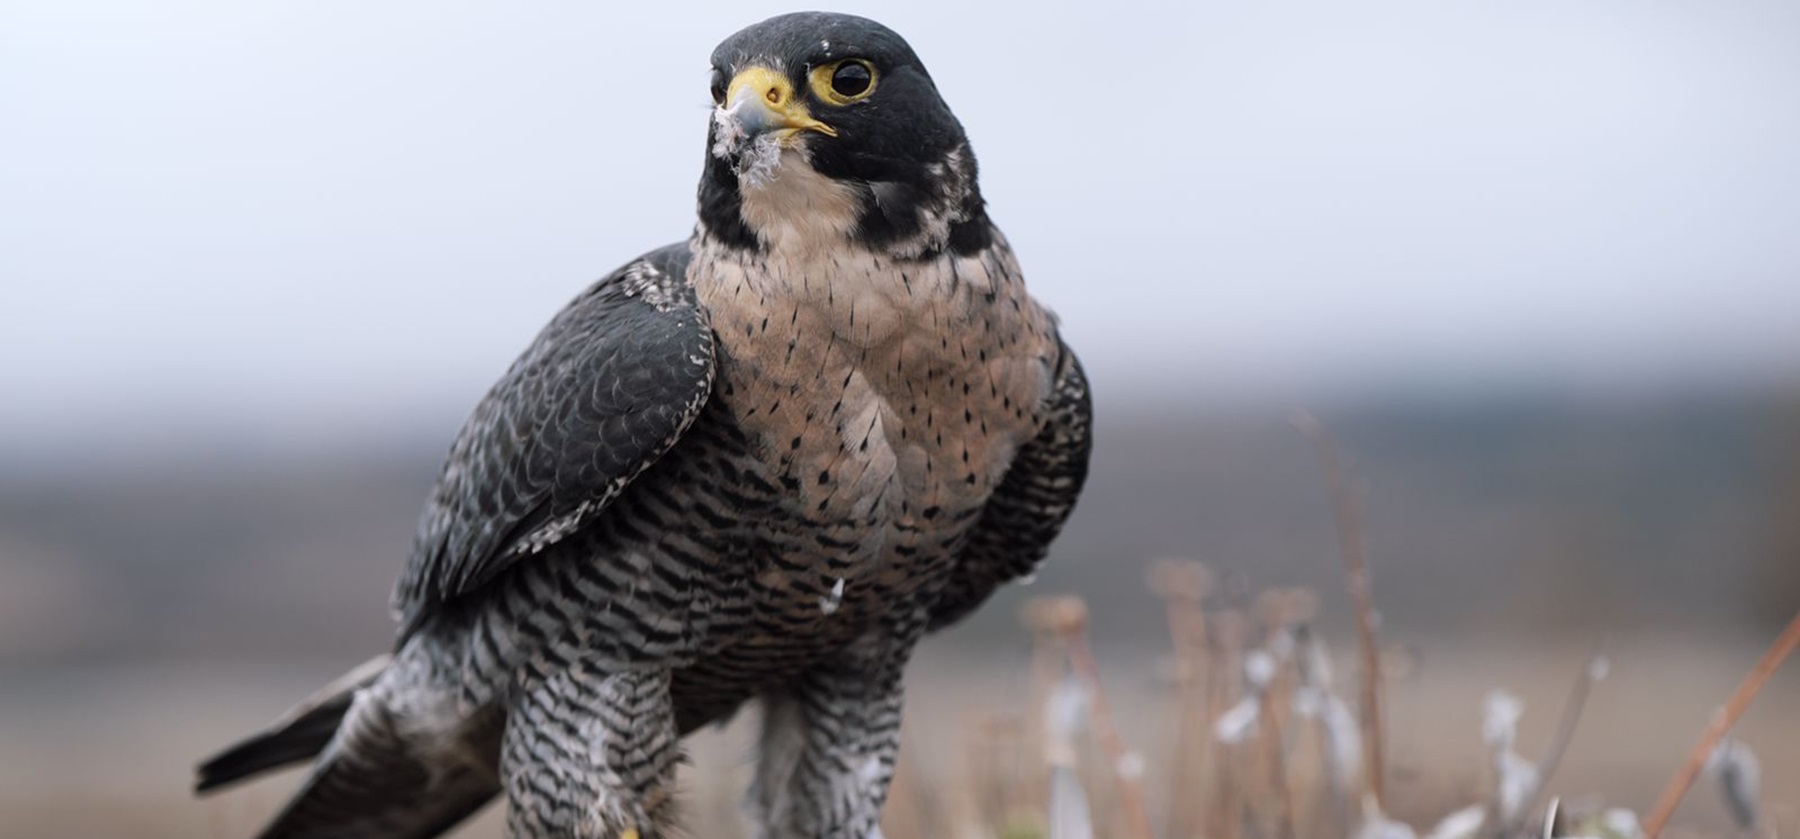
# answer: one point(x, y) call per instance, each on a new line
point(397, 757)
point(297, 736)
point(372, 783)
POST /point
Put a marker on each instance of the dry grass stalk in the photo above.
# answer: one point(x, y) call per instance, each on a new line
point(1281, 610)
point(1045, 617)
point(1212, 693)
point(995, 753)
point(1346, 511)
point(1072, 622)
point(1335, 732)
point(1722, 722)
point(1068, 815)
point(1183, 587)
point(1231, 632)
point(1592, 672)
point(1275, 759)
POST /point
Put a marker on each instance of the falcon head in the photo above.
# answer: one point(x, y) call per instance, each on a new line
point(826, 130)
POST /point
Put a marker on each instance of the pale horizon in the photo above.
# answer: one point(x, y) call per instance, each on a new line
point(219, 218)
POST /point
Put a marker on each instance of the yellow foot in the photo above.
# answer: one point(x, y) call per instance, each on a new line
point(629, 833)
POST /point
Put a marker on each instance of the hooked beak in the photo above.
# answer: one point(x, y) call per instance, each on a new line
point(762, 102)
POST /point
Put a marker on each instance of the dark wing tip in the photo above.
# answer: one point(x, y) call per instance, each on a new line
point(263, 752)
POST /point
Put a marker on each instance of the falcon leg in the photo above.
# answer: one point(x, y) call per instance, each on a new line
point(591, 754)
point(828, 746)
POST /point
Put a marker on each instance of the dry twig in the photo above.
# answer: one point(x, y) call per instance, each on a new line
point(1356, 567)
point(1231, 633)
point(1183, 586)
point(1592, 671)
point(1722, 722)
point(1071, 621)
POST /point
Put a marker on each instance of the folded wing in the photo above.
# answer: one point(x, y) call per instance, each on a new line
point(607, 388)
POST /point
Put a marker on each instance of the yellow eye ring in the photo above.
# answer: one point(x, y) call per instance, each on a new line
point(843, 82)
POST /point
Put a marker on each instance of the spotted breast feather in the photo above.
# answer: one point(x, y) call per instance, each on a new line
point(1028, 509)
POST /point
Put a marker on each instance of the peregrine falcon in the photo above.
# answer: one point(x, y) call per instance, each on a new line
point(760, 464)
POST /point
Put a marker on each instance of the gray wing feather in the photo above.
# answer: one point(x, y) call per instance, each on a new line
point(1028, 509)
point(606, 388)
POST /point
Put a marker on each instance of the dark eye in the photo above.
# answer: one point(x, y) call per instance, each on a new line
point(843, 82)
point(718, 87)
point(851, 79)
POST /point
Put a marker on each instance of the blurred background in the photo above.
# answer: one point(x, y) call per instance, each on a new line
point(1536, 264)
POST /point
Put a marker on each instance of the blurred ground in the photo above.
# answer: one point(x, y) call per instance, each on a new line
point(153, 608)
point(107, 750)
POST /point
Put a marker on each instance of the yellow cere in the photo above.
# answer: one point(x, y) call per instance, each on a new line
point(777, 96)
point(772, 86)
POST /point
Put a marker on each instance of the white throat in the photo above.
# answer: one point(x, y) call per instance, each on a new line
point(797, 212)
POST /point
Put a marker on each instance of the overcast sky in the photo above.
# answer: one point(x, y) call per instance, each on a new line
point(225, 217)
